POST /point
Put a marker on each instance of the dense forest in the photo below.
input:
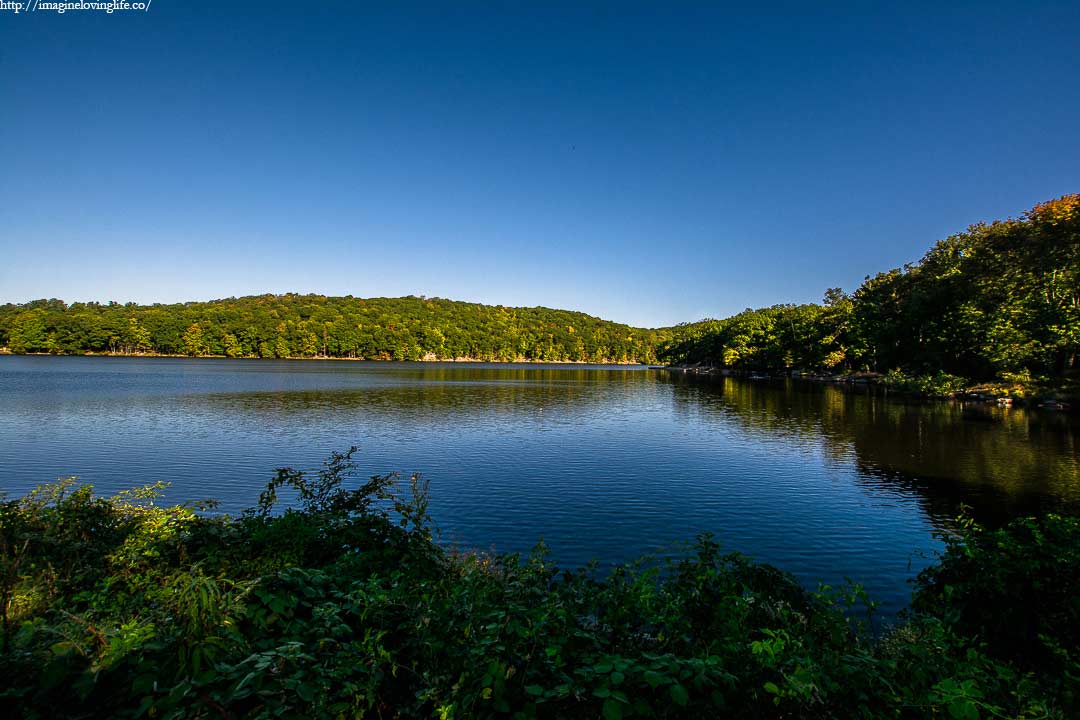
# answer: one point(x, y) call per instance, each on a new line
point(997, 301)
point(304, 326)
point(1000, 301)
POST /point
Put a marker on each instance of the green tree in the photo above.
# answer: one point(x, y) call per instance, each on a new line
point(194, 342)
point(28, 332)
point(233, 348)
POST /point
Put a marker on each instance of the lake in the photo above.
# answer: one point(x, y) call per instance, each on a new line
point(602, 462)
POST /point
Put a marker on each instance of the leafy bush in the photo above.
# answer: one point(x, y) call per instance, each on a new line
point(342, 606)
point(1017, 590)
point(940, 384)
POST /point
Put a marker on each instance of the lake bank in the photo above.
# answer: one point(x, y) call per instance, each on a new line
point(433, 359)
point(1061, 396)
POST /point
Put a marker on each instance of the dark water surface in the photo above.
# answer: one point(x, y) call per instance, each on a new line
point(603, 462)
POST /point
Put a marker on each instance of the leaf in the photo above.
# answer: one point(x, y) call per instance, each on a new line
point(613, 710)
point(770, 687)
point(62, 647)
point(679, 694)
point(534, 689)
point(963, 710)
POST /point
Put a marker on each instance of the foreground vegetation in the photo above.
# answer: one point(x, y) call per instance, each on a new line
point(997, 305)
point(342, 606)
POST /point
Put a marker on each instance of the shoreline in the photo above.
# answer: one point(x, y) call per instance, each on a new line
point(990, 393)
point(427, 360)
point(984, 392)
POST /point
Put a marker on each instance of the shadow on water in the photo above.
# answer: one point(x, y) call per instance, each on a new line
point(1001, 462)
point(426, 402)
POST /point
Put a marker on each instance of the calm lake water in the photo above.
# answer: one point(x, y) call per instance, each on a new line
point(602, 462)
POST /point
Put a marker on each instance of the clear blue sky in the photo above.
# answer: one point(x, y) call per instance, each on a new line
point(646, 162)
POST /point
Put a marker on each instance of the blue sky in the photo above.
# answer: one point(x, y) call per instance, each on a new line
point(650, 163)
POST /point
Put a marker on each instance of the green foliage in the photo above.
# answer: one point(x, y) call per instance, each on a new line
point(1016, 588)
point(940, 384)
point(810, 337)
point(340, 605)
point(300, 326)
point(996, 300)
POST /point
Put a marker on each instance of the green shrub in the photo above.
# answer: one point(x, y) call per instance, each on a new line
point(939, 385)
point(342, 606)
point(1016, 589)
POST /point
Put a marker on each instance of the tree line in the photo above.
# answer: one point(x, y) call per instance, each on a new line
point(300, 326)
point(995, 301)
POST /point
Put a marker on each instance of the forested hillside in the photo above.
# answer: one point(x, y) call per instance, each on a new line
point(287, 326)
point(996, 301)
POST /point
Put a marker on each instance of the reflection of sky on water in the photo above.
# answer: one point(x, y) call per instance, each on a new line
point(607, 463)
